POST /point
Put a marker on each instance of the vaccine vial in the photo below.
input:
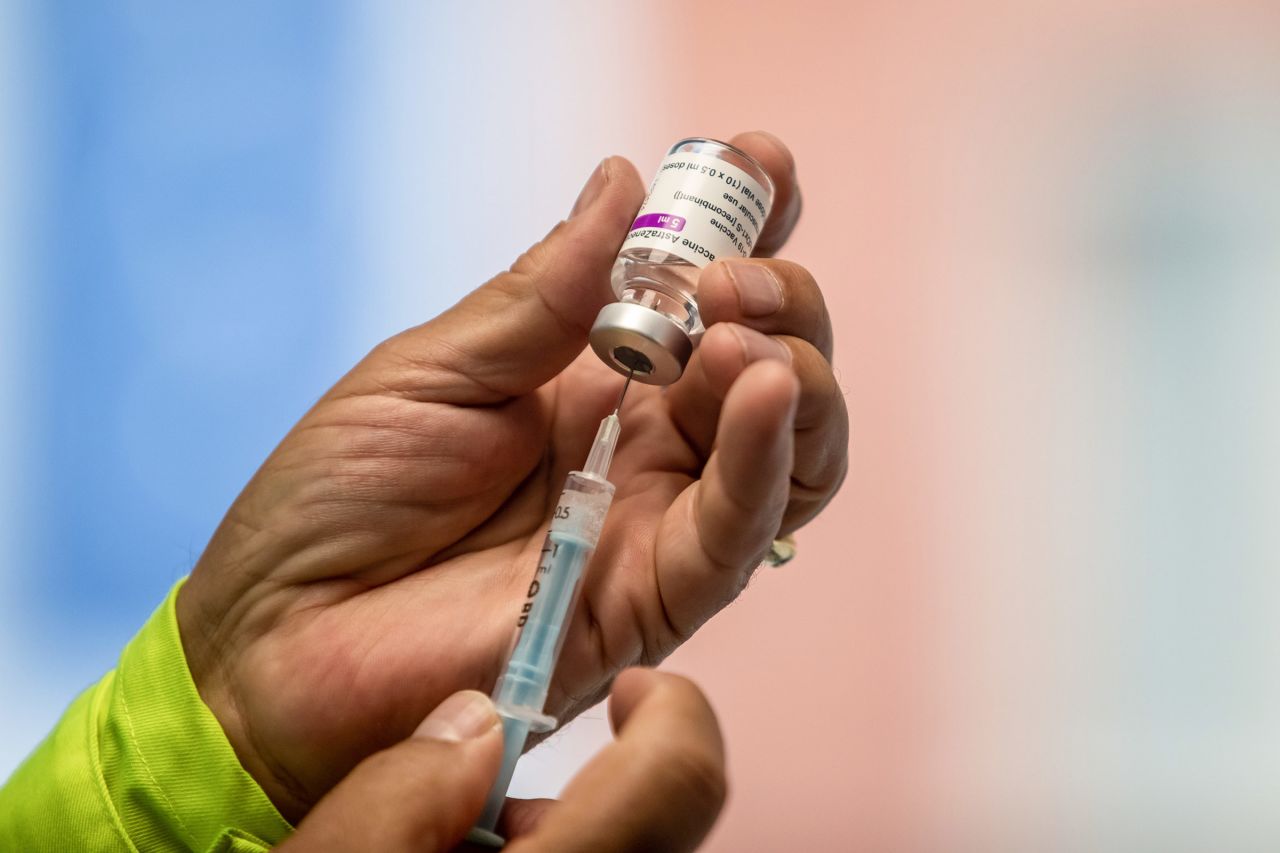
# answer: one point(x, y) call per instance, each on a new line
point(708, 202)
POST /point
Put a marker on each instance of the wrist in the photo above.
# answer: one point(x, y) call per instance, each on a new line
point(215, 682)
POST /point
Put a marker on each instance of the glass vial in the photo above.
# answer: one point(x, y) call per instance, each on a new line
point(709, 201)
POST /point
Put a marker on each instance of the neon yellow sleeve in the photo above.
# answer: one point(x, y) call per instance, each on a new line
point(138, 762)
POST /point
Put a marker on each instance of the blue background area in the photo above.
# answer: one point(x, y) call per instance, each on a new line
point(207, 215)
point(189, 255)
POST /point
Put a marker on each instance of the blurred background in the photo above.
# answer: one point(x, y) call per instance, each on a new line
point(1043, 612)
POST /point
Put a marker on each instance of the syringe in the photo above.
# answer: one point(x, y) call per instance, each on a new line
point(522, 688)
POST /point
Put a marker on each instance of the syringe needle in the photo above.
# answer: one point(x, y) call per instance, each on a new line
point(625, 386)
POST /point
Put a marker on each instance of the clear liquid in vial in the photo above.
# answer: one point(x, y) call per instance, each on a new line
point(661, 281)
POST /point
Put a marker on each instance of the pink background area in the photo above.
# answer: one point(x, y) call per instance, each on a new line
point(962, 655)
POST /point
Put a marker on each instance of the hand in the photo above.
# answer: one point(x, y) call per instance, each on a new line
point(375, 563)
point(660, 786)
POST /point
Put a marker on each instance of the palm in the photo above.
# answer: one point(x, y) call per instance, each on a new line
point(399, 599)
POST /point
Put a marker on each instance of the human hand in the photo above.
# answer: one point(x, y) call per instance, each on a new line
point(374, 564)
point(659, 786)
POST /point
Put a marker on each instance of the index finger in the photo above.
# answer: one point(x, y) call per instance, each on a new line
point(778, 161)
point(659, 786)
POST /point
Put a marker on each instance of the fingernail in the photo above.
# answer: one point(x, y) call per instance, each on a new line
point(462, 716)
point(757, 346)
point(759, 293)
point(591, 189)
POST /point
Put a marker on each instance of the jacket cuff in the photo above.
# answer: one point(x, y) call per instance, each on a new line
point(172, 775)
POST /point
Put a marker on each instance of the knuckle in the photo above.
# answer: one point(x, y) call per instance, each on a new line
point(817, 379)
point(686, 692)
point(389, 356)
point(805, 306)
point(795, 277)
point(510, 287)
point(404, 362)
point(696, 777)
point(691, 770)
point(535, 260)
point(821, 398)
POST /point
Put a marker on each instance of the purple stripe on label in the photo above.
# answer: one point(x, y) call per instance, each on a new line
point(659, 220)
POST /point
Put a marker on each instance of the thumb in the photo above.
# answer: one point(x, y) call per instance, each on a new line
point(422, 794)
point(524, 326)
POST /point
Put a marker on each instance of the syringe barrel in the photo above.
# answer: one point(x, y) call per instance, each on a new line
point(547, 608)
point(582, 507)
point(549, 599)
point(543, 623)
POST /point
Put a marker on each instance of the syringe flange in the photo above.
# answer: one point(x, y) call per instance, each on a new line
point(538, 723)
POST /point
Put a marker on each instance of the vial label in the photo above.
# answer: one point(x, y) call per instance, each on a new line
point(700, 209)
